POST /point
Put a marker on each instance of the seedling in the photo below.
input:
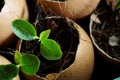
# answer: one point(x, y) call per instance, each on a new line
point(49, 48)
point(28, 63)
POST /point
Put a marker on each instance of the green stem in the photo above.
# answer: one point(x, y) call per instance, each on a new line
point(18, 65)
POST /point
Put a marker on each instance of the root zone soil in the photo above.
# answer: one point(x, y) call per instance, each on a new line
point(107, 34)
point(65, 34)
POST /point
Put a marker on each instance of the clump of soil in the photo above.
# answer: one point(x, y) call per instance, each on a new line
point(65, 34)
point(107, 33)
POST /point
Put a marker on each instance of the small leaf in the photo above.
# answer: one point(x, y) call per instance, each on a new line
point(50, 49)
point(17, 57)
point(117, 6)
point(24, 30)
point(30, 64)
point(8, 72)
point(44, 34)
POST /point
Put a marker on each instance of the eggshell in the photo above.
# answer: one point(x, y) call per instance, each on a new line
point(73, 9)
point(12, 9)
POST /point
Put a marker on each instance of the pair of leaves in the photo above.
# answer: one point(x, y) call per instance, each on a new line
point(28, 63)
point(26, 31)
point(49, 49)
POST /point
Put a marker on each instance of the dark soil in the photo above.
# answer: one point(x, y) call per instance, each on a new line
point(108, 31)
point(64, 33)
point(1, 4)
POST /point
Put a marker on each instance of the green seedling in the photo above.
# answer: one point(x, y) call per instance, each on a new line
point(49, 48)
point(28, 63)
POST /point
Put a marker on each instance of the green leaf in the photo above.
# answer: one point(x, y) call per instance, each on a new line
point(24, 30)
point(117, 6)
point(50, 49)
point(8, 72)
point(17, 57)
point(44, 34)
point(30, 64)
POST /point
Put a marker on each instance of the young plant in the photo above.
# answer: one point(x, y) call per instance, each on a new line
point(49, 48)
point(28, 63)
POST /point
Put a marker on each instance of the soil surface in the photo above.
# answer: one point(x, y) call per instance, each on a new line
point(107, 33)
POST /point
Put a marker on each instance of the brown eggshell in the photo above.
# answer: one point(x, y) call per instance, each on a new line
point(105, 55)
point(82, 67)
point(12, 9)
point(73, 9)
